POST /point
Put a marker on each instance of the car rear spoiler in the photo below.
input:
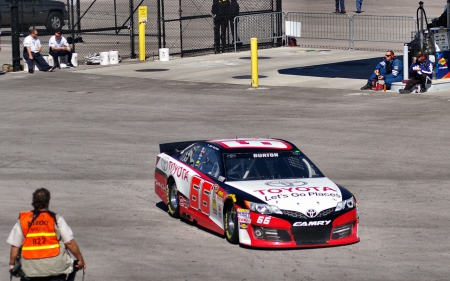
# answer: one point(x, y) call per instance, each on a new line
point(174, 147)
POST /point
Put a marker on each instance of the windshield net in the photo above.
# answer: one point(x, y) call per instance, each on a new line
point(273, 165)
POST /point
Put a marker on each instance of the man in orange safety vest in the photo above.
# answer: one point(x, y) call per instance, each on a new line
point(41, 241)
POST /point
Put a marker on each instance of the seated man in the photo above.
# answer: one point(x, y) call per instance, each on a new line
point(59, 47)
point(32, 52)
point(421, 72)
point(390, 70)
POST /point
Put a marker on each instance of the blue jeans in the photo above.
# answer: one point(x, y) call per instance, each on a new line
point(358, 5)
point(40, 61)
point(341, 3)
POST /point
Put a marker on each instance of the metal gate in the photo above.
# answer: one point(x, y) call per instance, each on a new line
point(187, 25)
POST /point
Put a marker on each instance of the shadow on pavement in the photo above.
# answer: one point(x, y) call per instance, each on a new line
point(357, 69)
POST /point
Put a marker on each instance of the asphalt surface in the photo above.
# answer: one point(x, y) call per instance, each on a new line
point(90, 135)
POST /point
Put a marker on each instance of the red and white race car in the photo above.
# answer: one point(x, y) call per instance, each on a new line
point(256, 192)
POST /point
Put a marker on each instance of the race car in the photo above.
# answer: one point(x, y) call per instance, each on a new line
point(257, 192)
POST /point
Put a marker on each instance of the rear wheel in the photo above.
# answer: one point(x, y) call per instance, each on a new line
point(173, 203)
point(54, 22)
point(231, 224)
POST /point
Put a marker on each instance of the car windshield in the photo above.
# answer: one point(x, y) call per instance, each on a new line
point(268, 165)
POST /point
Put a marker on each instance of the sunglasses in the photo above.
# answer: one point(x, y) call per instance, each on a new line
point(387, 55)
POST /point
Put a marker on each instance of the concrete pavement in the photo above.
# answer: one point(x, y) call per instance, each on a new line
point(284, 66)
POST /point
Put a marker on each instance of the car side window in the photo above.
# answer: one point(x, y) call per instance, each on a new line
point(210, 163)
point(189, 155)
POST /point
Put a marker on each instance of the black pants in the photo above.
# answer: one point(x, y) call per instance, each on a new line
point(220, 30)
point(56, 53)
point(61, 277)
point(417, 79)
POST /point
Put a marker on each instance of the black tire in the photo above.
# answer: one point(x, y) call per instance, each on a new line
point(55, 22)
point(231, 224)
point(173, 201)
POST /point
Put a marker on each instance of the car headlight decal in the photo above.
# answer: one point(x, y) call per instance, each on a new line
point(346, 204)
point(263, 208)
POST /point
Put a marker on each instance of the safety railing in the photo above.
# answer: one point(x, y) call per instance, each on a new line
point(267, 27)
point(332, 26)
point(377, 28)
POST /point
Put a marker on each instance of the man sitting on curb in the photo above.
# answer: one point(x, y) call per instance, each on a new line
point(390, 70)
point(59, 47)
point(32, 52)
point(421, 70)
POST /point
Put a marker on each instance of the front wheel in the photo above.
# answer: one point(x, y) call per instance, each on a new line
point(173, 203)
point(54, 22)
point(231, 224)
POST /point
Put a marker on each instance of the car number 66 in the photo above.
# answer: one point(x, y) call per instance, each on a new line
point(263, 219)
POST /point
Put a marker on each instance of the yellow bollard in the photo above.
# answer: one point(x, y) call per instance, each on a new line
point(142, 41)
point(142, 12)
point(254, 59)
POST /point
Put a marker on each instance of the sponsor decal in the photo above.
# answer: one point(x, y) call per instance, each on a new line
point(220, 193)
point(164, 164)
point(292, 189)
point(178, 171)
point(216, 188)
point(243, 226)
point(285, 183)
point(312, 223)
point(221, 178)
point(231, 156)
point(243, 215)
point(219, 211)
point(265, 155)
point(242, 211)
point(160, 185)
point(295, 194)
point(214, 204)
point(213, 147)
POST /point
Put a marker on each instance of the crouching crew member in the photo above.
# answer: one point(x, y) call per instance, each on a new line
point(58, 46)
point(421, 72)
point(390, 69)
point(40, 241)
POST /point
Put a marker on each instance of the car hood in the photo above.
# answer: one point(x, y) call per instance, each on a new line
point(299, 195)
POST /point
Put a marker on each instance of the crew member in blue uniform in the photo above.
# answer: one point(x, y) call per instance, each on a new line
point(390, 70)
point(421, 71)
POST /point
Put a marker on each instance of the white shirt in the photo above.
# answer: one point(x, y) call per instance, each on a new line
point(33, 43)
point(16, 237)
point(61, 42)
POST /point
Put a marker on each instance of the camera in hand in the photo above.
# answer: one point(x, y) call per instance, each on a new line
point(71, 276)
point(17, 271)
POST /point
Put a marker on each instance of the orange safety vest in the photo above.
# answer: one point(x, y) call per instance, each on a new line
point(40, 236)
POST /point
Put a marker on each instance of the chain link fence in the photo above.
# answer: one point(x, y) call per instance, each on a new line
point(186, 27)
point(267, 27)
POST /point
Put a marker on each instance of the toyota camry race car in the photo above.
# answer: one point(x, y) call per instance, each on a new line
point(256, 192)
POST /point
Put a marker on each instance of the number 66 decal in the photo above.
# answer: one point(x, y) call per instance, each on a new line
point(202, 189)
point(263, 220)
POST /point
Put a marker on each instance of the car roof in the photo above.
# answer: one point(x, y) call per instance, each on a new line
point(252, 144)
